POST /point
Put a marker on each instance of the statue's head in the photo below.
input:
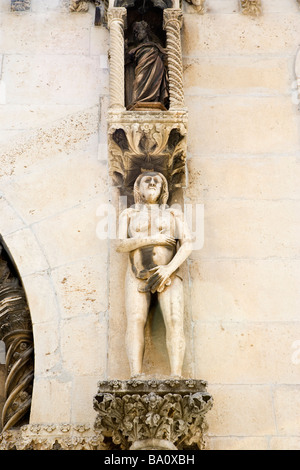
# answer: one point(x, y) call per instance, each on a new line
point(151, 187)
point(140, 30)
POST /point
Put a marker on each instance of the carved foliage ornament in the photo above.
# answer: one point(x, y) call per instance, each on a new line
point(251, 7)
point(136, 411)
point(16, 332)
point(153, 146)
point(52, 436)
point(20, 5)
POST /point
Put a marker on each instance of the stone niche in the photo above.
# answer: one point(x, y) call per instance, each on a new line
point(147, 128)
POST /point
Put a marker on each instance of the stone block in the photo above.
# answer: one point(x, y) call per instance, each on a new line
point(237, 443)
point(15, 117)
point(285, 443)
point(237, 352)
point(82, 336)
point(84, 388)
point(71, 235)
point(75, 132)
point(45, 33)
point(82, 286)
point(250, 177)
point(250, 229)
point(245, 290)
point(10, 220)
point(241, 411)
point(41, 297)
point(56, 79)
point(219, 125)
point(26, 251)
point(236, 33)
point(51, 401)
point(227, 75)
point(287, 409)
point(61, 183)
point(46, 338)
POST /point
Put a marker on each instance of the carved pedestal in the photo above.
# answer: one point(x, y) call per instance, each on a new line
point(153, 414)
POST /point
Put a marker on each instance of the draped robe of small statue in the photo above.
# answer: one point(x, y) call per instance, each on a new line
point(150, 82)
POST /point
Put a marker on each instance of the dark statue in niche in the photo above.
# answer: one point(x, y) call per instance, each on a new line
point(146, 77)
point(150, 84)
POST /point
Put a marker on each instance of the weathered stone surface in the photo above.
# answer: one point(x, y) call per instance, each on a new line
point(130, 412)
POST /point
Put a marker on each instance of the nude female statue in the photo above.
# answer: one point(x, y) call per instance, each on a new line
point(158, 242)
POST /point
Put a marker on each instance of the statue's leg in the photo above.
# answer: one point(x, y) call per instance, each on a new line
point(137, 307)
point(172, 305)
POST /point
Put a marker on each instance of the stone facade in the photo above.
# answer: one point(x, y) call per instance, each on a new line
point(242, 288)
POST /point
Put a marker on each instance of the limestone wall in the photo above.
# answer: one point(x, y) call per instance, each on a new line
point(243, 165)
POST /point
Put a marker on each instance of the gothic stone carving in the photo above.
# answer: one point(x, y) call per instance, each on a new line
point(79, 5)
point(52, 436)
point(20, 5)
point(16, 332)
point(251, 7)
point(157, 414)
point(140, 140)
point(199, 5)
point(158, 242)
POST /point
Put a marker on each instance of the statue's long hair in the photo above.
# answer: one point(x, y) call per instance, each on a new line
point(164, 195)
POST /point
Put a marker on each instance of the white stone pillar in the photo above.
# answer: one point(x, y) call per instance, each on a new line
point(172, 25)
point(116, 18)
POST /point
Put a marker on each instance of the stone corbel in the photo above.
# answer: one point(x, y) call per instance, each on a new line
point(20, 5)
point(153, 414)
point(251, 7)
point(153, 141)
point(79, 5)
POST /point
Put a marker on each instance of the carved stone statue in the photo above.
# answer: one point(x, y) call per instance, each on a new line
point(150, 82)
point(158, 242)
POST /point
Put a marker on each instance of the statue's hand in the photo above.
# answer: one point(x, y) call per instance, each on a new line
point(160, 278)
point(166, 240)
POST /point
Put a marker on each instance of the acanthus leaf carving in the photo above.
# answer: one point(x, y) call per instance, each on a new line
point(142, 411)
point(137, 145)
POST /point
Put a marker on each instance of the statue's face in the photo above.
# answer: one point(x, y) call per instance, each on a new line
point(150, 188)
point(139, 32)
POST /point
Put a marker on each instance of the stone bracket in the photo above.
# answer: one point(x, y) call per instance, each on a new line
point(153, 141)
point(20, 5)
point(153, 414)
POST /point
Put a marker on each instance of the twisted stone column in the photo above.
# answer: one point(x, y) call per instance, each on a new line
point(116, 22)
point(172, 25)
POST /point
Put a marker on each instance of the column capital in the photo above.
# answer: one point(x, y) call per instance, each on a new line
point(172, 14)
point(118, 14)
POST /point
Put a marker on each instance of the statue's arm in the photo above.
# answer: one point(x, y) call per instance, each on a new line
point(126, 244)
point(161, 274)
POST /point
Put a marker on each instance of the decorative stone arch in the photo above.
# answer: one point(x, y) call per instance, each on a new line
point(27, 271)
point(16, 333)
